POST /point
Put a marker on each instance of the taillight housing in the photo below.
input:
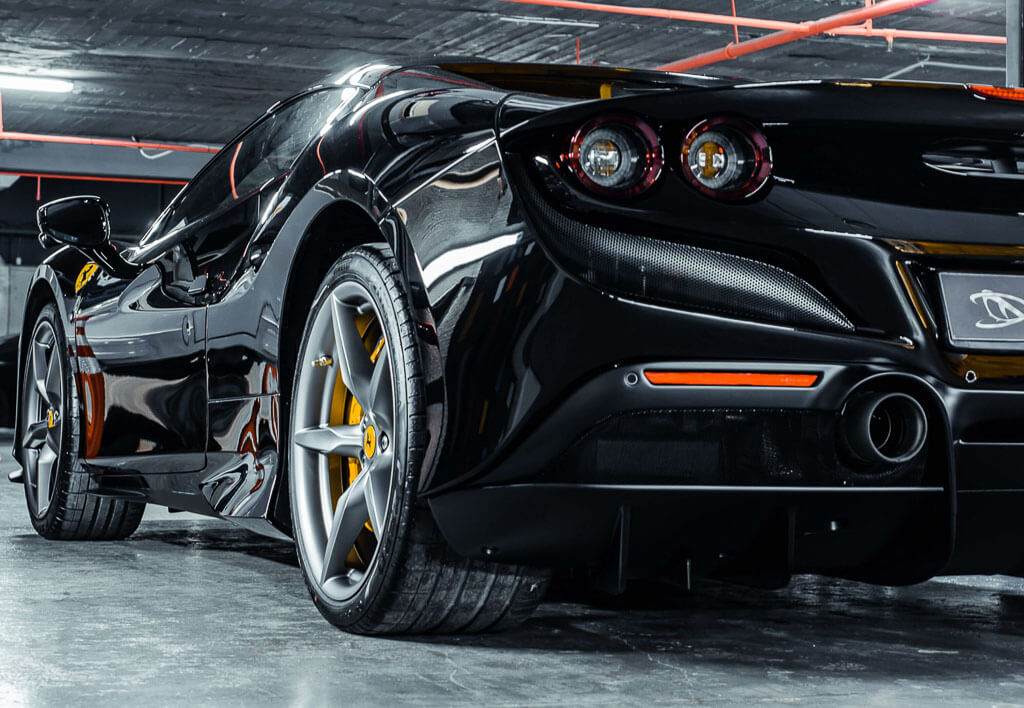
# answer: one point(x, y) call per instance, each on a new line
point(1002, 92)
point(616, 155)
point(726, 158)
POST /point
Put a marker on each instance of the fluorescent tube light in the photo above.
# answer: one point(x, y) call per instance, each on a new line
point(23, 82)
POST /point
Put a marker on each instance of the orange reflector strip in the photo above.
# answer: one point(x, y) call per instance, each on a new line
point(729, 378)
point(1009, 94)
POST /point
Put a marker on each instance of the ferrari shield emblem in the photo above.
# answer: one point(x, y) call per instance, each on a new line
point(85, 275)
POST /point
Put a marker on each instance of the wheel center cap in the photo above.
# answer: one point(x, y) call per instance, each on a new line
point(369, 441)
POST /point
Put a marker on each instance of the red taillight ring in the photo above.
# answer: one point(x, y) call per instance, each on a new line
point(652, 157)
point(761, 151)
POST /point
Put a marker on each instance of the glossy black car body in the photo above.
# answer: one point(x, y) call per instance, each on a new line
point(542, 307)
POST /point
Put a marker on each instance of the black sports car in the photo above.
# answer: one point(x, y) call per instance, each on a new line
point(452, 324)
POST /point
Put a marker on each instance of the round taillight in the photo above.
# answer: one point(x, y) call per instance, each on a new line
point(726, 158)
point(617, 155)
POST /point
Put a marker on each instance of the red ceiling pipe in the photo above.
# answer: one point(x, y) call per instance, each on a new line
point(808, 29)
point(757, 23)
point(664, 14)
point(105, 142)
point(94, 178)
point(890, 34)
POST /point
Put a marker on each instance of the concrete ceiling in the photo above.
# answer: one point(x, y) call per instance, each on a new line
point(196, 70)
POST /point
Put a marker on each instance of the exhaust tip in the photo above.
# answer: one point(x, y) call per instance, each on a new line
point(885, 428)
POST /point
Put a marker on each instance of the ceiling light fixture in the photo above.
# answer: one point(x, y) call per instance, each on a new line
point(24, 82)
point(530, 20)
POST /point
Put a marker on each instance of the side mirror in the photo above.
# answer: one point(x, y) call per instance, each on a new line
point(83, 223)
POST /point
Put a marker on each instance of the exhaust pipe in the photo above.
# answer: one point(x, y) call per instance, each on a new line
point(887, 428)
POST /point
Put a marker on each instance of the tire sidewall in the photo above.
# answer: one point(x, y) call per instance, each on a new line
point(362, 267)
point(48, 523)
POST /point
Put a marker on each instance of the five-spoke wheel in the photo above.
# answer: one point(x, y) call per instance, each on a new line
point(343, 459)
point(372, 555)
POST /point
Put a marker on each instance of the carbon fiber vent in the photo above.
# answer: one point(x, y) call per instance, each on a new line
point(685, 276)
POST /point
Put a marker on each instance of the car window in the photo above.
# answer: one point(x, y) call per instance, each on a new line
point(263, 154)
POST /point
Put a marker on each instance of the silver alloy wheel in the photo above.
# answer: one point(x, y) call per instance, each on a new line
point(332, 520)
point(43, 415)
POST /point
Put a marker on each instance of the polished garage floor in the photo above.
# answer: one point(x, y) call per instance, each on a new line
point(193, 610)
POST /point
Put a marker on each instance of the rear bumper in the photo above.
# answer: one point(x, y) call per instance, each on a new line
point(961, 514)
point(544, 457)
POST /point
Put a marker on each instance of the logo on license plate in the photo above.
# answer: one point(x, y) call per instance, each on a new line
point(1001, 309)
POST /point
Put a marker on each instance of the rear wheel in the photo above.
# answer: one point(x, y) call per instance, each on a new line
point(372, 557)
point(58, 499)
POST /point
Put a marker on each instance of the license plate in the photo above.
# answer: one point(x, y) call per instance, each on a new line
point(983, 309)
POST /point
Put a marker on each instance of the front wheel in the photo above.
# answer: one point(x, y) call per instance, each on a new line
point(371, 554)
point(59, 500)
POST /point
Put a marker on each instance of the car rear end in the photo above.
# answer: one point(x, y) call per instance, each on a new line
point(809, 363)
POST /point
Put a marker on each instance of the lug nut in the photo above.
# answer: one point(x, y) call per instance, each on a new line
point(383, 442)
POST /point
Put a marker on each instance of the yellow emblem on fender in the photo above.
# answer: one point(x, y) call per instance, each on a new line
point(85, 275)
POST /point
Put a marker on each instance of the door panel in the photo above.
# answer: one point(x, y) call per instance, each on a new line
point(143, 378)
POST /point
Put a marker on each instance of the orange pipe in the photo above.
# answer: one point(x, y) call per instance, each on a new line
point(809, 29)
point(95, 178)
point(729, 378)
point(105, 142)
point(862, 31)
point(758, 23)
point(664, 14)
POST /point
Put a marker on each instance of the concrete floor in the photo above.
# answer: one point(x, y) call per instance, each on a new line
point(197, 611)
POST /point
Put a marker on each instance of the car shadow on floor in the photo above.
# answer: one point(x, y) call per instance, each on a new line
point(833, 627)
point(221, 538)
point(933, 631)
point(199, 537)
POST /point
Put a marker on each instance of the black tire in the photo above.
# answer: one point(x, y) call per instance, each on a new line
point(72, 514)
point(415, 583)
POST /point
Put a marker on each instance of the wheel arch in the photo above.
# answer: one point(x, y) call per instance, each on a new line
point(340, 226)
point(345, 208)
